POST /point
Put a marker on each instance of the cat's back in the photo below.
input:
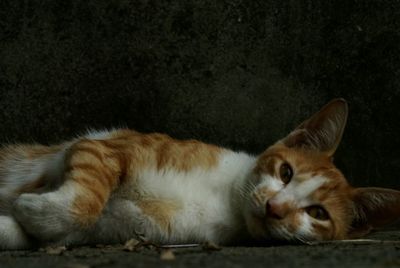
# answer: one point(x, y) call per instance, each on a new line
point(37, 168)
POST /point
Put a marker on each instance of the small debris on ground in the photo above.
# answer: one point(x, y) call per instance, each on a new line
point(167, 255)
point(210, 246)
point(131, 245)
point(54, 250)
point(77, 265)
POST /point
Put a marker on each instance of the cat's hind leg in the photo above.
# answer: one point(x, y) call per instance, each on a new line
point(12, 236)
point(92, 172)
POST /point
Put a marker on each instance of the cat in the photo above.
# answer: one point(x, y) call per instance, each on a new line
point(110, 186)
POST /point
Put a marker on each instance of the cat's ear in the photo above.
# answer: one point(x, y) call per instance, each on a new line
point(322, 131)
point(373, 208)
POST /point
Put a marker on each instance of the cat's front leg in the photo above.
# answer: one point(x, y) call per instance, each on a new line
point(92, 172)
point(46, 216)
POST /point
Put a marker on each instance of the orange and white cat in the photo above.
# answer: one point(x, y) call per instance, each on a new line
point(110, 186)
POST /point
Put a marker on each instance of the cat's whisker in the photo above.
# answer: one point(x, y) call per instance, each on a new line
point(245, 190)
point(285, 233)
point(302, 239)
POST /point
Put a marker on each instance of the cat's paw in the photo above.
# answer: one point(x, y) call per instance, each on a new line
point(11, 235)
point(44, 216)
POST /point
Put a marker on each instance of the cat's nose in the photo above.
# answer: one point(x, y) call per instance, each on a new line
point(275, 210)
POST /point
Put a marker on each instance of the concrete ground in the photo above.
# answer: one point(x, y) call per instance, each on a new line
point(382, 250)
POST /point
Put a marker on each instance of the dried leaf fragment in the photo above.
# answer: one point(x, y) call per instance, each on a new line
point(167, 255)
point(131, 245)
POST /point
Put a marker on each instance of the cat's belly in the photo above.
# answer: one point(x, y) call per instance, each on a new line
point(124, 219)
point(120, 221)
point(170, 207)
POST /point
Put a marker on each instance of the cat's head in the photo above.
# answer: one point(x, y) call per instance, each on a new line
point(297, 193)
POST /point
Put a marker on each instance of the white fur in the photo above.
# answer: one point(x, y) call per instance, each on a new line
point(271, 182)
point(207, 199)
point(298, 192)
point(12, 235)
point(99, 134)
point(305, 229)
point(47, 216)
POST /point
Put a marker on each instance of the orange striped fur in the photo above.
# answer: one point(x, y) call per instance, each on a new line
point(161, 211)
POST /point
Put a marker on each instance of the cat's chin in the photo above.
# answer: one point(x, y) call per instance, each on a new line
point(264, 230)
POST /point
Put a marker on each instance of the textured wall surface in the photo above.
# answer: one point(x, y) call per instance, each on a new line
point(236, 73)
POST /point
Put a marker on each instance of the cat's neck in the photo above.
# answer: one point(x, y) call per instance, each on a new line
point(240, 167)
point(240, 183)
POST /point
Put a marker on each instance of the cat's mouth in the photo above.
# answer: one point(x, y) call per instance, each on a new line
point(267, 228)
point(261, 218)
point(262, 225)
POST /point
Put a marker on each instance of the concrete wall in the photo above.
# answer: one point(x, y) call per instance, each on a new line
point(236, 73)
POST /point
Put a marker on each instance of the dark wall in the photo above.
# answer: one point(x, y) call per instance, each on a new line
point(236, 73)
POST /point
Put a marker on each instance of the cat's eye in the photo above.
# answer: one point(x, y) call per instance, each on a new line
point(286, 173)
point(318, 213)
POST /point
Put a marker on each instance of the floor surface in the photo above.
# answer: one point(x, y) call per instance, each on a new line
point(381, 249)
